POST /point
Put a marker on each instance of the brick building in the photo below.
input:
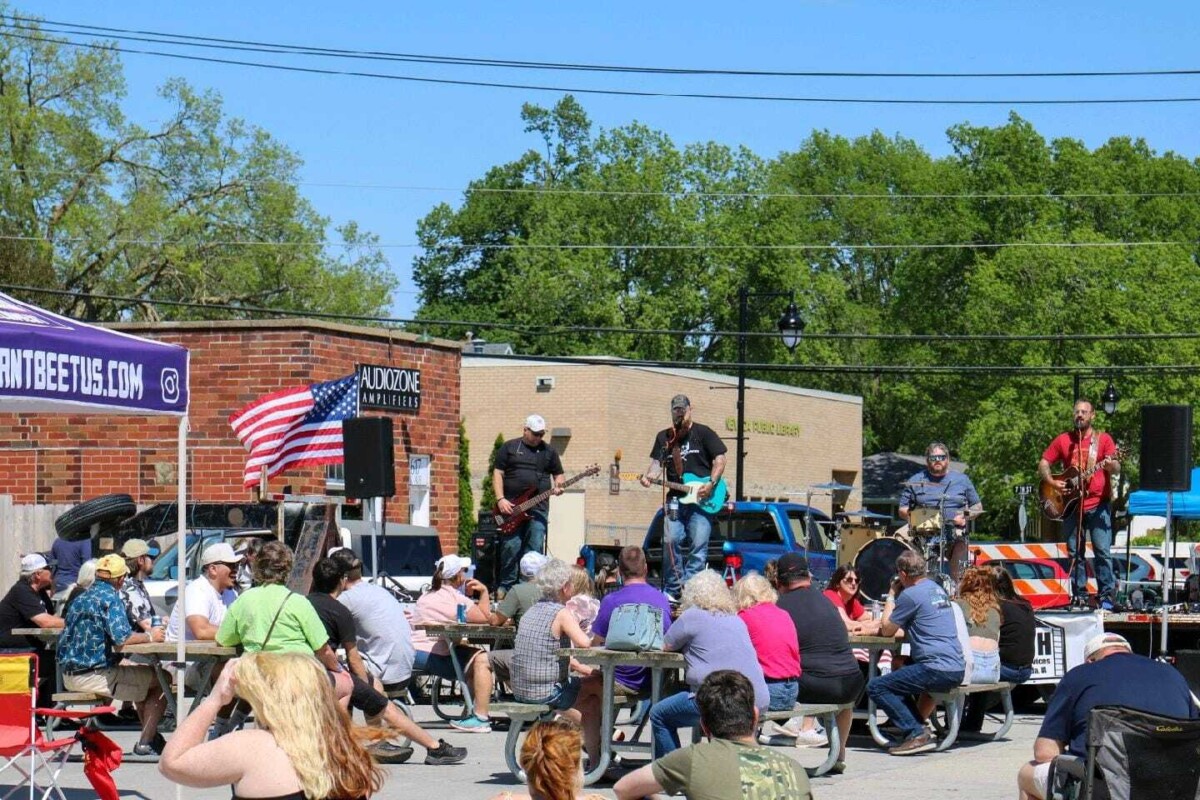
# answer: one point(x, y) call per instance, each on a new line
point(795, 437)
point(67, 458)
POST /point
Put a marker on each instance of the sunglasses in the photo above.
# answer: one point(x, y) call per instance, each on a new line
point(937, 458)
point(538, 434)
point(850, 579)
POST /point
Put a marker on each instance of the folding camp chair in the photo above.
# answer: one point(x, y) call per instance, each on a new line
point(1132, 755)
point(20, 736)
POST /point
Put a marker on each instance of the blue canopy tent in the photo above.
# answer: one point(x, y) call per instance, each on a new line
point(51, 364)
point(1184, 505)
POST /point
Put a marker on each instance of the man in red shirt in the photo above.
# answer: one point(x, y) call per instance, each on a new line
point(1084, 448)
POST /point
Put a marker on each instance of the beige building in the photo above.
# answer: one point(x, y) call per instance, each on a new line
point(794, 437)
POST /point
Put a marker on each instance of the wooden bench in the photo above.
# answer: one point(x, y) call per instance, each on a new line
point(827, 713)
point(953, 702)
point(521, 715)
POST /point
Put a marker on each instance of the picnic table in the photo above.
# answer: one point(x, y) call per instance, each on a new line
point(457, 632)
point(206, 654)
point(657, 661)
point(874, 645)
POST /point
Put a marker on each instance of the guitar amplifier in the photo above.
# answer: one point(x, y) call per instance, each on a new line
point(485, 550)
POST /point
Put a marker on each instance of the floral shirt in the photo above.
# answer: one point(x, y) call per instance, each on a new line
point(137, 602)
point(96, 623)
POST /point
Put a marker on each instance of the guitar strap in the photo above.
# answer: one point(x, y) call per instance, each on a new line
point(1091, 461)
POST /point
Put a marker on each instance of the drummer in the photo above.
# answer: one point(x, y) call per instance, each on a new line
point(939, 486)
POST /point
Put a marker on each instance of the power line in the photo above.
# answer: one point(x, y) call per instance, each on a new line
point(554, 330)
point(619, 92)
point(378, 55)
point(685, 194)
point(835, 247)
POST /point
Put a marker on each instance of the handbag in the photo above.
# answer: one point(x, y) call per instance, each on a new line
point(635, 627)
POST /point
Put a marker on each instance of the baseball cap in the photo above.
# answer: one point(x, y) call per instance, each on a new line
point(34, 562)
point(792, 565)
point(135, 548)
point(452, 565)
point(680, 401)
point(532, 563)
point(535, 423)
point(219, 553)
point(113, 564)
point(1098, 643)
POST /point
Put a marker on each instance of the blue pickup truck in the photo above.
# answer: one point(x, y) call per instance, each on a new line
point(745, 537)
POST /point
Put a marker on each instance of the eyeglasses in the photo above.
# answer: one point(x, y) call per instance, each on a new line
point(937, 458)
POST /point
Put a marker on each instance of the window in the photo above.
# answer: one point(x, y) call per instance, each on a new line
point(757, 527)
point(820, 530)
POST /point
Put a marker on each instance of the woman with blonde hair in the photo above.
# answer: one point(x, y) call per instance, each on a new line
point(711, 636)
point(302, 747)
point(773, 636)
point(582, 601)
point(550, 758)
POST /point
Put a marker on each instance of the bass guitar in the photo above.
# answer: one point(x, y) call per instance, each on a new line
point(690, 487)
point(1058, 505)
point(525, 502)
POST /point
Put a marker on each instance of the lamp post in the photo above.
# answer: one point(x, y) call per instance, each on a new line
point(1108, 400)
point(791, 328)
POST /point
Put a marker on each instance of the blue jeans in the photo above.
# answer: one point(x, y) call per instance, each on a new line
point(1014, 674)
point(694, 526)
point(1098, 524)
point(783, 694)
point(894, 692)
point(667, 716)
point(530, 537)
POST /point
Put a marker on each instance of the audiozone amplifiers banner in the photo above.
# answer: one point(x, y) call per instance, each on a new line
point(389, 388)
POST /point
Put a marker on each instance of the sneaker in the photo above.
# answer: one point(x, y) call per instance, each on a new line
point(837, 769)
point(811, 738)
point(791, 728)
point(472, 724)
point(145, 749)
point(920, 743)
point(159, 743)
point(388, 753)
point(445, 754)
point(1106, 604)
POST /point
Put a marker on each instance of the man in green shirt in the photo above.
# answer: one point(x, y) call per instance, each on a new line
point(730, 765)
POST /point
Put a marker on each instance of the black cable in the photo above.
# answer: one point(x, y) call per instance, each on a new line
point(615, 92)
point(379, 55)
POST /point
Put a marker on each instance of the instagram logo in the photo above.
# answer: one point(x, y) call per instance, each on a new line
point(170, 385)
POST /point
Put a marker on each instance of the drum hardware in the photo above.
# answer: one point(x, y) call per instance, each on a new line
point(829, 488)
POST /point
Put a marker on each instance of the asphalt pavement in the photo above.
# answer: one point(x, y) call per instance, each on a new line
point(980, 771)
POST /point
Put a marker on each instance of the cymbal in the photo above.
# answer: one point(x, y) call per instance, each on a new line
point(832, 486)
point(864, 514)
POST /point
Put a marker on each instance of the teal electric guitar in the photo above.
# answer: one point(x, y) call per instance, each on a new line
point(690, 487)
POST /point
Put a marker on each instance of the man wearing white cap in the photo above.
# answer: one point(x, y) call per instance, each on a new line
point(208, 596)
point(1112, 675)
point(28, 605)
point(525, 467)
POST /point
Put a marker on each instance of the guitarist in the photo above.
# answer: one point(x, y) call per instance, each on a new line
point(1082, 449)
point(525, 466)
point(686, 447)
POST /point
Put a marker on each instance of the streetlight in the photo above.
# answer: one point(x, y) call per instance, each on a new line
point(791, 328)
point(1108, 401)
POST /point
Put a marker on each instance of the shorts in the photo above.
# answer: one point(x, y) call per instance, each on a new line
point(443, 667)
point(563, 696)
point(123, 683)
point(1041, 778)
point(783, 694)
point(834, 689)
point(501, 661)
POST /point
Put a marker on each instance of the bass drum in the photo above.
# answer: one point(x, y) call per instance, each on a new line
point(876, 566)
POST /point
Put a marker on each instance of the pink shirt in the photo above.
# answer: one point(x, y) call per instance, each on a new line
point(773, 635)
point(440, 607)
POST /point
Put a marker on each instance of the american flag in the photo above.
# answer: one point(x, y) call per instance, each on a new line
point(295, 427)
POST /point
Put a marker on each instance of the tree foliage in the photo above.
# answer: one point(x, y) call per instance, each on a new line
point(97, 204)
point(998, 185)
point(467, 522)
point(487, 496)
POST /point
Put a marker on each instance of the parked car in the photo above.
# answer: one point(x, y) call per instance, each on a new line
point(745, 536)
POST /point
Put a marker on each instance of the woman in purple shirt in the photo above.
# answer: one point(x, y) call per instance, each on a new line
point(711, 636)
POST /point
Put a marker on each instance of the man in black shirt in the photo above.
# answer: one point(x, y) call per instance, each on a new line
point(28, 605)
point(328, 581)
point(830, 673)
point(525, 466)
point(691, 452)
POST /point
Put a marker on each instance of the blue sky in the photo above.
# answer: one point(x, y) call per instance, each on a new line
point(399, 134)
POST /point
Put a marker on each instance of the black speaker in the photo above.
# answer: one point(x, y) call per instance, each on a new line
point(370, 462)
point(485, 551)
point(1166, 448)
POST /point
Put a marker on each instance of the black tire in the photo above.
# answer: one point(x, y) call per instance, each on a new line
point(75, 525)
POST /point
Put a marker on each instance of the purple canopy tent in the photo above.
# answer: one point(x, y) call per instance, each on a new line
point(54, 364)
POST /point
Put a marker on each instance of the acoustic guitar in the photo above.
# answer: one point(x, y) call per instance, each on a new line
point(526, 501)
point(691, 486)
point(1058, 505)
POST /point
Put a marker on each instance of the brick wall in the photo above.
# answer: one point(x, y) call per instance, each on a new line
point(65, 459)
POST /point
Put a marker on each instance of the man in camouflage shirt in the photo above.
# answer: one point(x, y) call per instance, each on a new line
point(730, 765)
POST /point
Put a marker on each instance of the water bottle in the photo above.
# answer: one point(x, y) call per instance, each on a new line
point(673, 509)
point(462, 613)
point(876, 609)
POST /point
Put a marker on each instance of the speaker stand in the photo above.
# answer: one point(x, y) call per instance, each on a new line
point(1167, 578)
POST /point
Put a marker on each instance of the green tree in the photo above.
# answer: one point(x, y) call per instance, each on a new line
point(487, 497)
point(467, 522)
point(99, 204)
